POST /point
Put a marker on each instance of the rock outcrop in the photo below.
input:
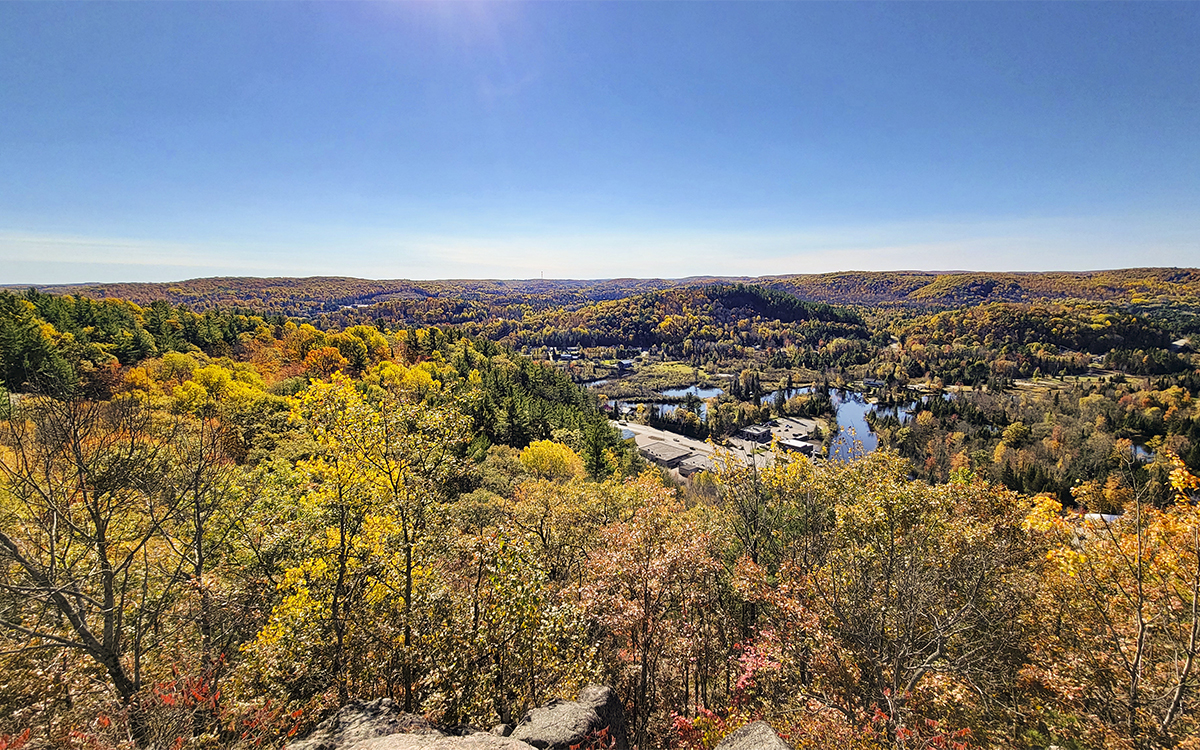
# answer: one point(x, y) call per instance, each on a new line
point(357, 722)
point(755, 736)
point(560, 724)
point(381, 725)
point(477, 741)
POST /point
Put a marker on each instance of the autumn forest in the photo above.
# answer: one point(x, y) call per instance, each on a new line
point(229, 506)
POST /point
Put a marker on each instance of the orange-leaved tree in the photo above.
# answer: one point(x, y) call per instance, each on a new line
point(1119, 652)
point(644, 580)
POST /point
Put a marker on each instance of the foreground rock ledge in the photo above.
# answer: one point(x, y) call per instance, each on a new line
point(755, 736)
point(560, 724)
point(381, 725)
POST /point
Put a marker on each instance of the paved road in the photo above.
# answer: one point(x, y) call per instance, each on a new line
point(646, 435)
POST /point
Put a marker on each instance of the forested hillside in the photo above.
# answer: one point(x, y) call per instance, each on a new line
point(308, 296)
point(667, 318)
point(966, 288)
point(218, 525)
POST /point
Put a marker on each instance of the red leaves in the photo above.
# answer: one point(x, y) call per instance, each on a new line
point(756, 659)
point(930, 735)
point(187, 692)
point(702, 732)
point(10, 742)
point(601, 740)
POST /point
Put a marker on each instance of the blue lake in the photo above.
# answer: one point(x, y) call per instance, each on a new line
point(663, 408)
point(851, 408)
point(854, 434)
point(692, 390)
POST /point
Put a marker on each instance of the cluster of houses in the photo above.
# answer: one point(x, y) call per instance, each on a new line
point(575, 353)
point(568, 354)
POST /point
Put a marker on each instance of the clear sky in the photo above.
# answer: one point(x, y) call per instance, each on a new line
point(162, 141)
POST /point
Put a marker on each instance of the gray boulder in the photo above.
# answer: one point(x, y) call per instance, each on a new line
point(756, 736)
point(358, 721)
point(560, 724)
point(478, 741)
point(381, 725)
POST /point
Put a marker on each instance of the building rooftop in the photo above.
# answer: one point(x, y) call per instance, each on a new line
point(800, 446)
point(693, 464)
point(664, 452)
point(759, 433)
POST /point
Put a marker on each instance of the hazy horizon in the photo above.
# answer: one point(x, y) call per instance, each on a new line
point(696, 277)
point(158, 142)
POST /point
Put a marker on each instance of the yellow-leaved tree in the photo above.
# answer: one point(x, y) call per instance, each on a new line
point(547, 459)
point(347, 609)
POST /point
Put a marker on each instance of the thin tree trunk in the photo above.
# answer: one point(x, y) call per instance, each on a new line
point(408, 589)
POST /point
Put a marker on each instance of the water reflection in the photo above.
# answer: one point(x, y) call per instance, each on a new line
point(664, 408)
point(692, 390)
point(786, 393)
point(851, 408)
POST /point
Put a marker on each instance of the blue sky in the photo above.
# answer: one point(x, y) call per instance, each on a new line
point(162, 141)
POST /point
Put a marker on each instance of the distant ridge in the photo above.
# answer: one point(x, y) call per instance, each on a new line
point(322, 294)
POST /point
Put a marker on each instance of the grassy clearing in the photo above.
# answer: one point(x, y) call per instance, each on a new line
point(648, 381)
